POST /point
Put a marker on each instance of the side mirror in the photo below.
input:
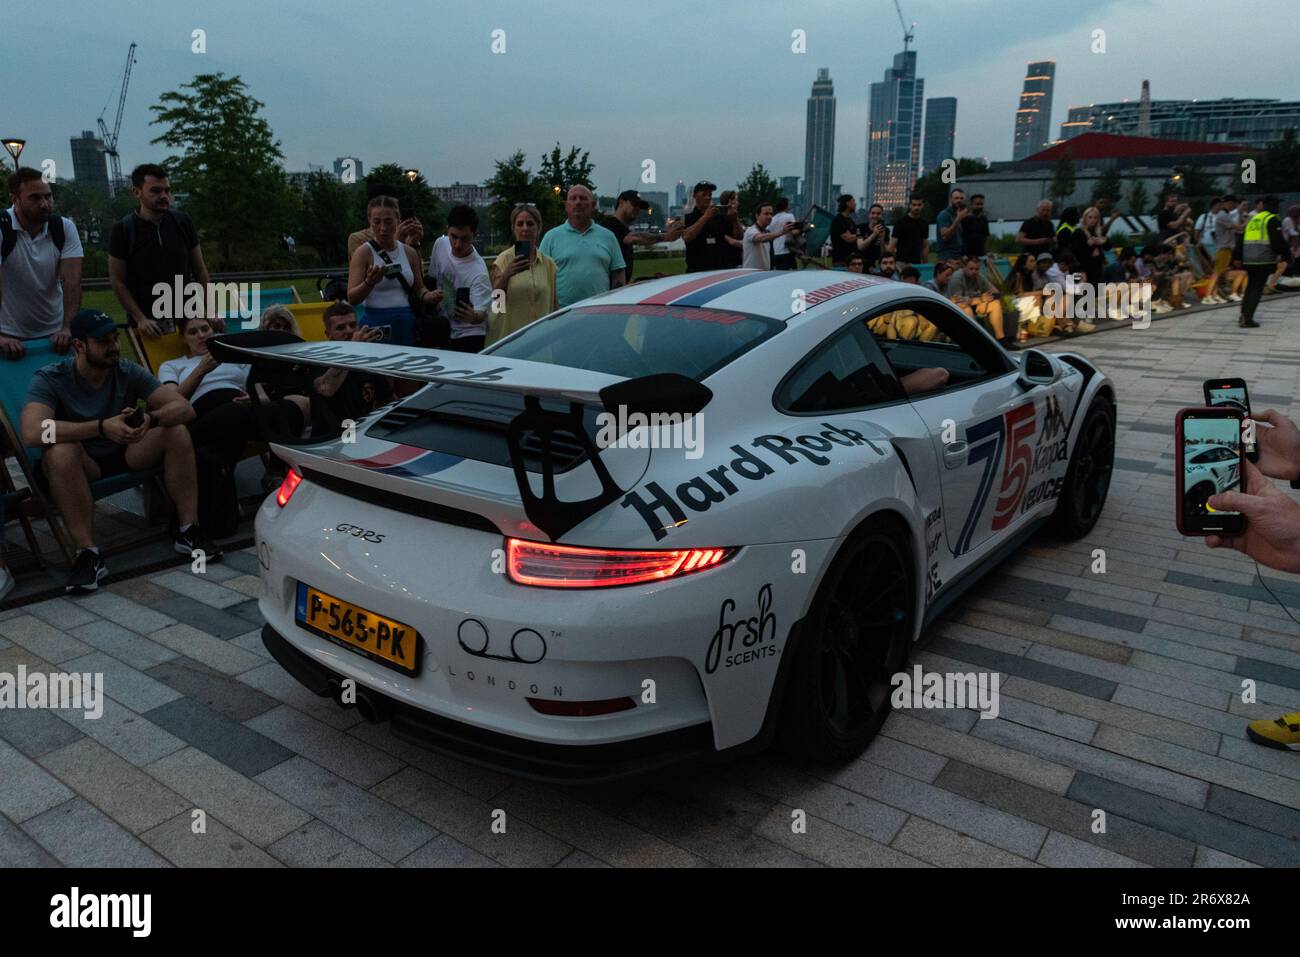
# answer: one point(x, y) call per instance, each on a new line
point(1038, 368)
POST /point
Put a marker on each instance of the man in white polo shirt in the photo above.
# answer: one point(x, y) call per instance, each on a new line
point(40, 267)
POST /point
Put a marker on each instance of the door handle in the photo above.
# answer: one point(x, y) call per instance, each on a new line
point(954, 454)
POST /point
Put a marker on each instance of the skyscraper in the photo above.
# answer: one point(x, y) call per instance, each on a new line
point(819, 141)
point(681, 193)
point(894, 133)
point(790, 190)
point(940, 131)
point(89, 164)
point(1034, 116)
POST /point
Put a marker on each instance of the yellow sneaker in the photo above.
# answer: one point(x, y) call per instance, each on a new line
point(1282, 733)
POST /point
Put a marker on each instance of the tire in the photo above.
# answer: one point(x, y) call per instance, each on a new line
point(1195, 497)
point(1087, 480)
point(855, 639)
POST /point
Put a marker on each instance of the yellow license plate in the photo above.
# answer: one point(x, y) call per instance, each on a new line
point(376, 636)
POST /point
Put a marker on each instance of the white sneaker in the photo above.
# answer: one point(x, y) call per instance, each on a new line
point(6, 582)
point(1236, 297)
point(1082, 326)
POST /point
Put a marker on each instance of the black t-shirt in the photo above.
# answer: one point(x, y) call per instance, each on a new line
point(975, 235)
point(1035, 228)
point(348, 402)
point(841, 250)
point(871, 254)
point(911, 235)
point(154, 253)
point(707, 250)
point(1163, 219)
point(615, 226)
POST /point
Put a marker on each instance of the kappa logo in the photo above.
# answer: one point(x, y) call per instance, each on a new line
point(699, 494)
point(1054, 423)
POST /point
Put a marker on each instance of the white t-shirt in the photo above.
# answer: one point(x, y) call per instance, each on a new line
point(32, 305)
point(451, 274)
point(756, 255)
point(228, 375)
point(778, 223)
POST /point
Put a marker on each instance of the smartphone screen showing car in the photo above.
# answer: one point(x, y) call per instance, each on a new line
point(1210, 461)
point(1232, 393)
point(392, 270)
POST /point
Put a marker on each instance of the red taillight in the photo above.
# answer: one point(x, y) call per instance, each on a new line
point(290, 485)
point(568, 566)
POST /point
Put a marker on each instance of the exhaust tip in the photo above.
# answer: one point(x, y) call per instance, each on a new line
point(373, 707)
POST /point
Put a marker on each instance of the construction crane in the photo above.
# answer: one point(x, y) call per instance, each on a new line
point(908, 32)
point(110, 139)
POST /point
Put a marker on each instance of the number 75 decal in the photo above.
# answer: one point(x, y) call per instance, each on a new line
point(987, 440)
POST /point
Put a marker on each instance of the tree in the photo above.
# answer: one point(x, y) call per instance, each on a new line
point(1063, 179)
point(757, 187)
point(1109, 186)
point(1138, 198)
point(226, 165)
point(573, 169)
point(327, 216)
point(414, 197)
point(1278, 167)
point(932, 188)
point(513, 183)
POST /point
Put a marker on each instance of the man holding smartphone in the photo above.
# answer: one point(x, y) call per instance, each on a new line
point(1272, 534)
point(630, 206)
point(456, 263)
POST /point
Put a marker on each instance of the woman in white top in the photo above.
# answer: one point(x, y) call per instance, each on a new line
point(374, 271)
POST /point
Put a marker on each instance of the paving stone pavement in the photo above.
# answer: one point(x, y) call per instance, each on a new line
point(1120, 697)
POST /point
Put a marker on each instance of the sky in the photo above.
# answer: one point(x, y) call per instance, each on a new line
point(703, 88)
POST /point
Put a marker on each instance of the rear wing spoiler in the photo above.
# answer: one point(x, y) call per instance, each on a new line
point(663, 393)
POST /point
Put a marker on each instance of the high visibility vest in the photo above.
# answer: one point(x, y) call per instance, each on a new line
point(1255, 247)
point(1065, 228)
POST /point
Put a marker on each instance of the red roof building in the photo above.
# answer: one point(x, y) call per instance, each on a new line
point(1108, 146)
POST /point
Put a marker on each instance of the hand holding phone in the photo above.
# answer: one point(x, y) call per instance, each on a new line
point(1209, 460)
point(392, 270)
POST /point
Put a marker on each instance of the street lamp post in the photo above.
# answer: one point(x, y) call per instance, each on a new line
point(412, 175)
point(14, 147)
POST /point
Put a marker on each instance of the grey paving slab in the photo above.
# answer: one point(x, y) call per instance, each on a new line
point(960, 814)
point(1269, 671)
point(1193, 824)
point(139, 590)
point(35, 731)
point(1084, 757)
point(480, 782)
point(273, 681)
point(206, 842)
point(123, 644)
point(125, 793)
point(944, 847)
point(125, 612)
point(316, 844)
point(61, 613)
point(244, 560)
point(1060, 814)
point(252, 642)
point(577, 858)
point(122, 683)
point(26, 790)
point(80, 835)
point(249, 611)
point(1256, 812)
point(223, 694)
point(125, 733)
point(331, 749)
point(248, 585)
point(821, 843)
point(445, 851)
point(569, 819)
point(1060, 850)
point(198, 587)
point(17, 849)
point(209, 650)
point(42, 639)
point(1209, 857)
point(1045, 672)
point(366, 818)
point(247, 807)
point(228, 741)
point(212, 621)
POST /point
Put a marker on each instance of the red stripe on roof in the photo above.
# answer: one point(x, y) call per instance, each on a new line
point(398, 455)
point(676, 292)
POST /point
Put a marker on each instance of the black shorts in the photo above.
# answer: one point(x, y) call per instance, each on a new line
point(110, 462)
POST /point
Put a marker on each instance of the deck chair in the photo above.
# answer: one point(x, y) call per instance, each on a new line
point(15, 374)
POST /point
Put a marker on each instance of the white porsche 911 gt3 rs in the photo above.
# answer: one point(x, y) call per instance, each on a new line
point(522, 565)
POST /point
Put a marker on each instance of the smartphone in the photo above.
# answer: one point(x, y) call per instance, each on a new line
point(136, 418)
point(385, 333)
point(1232, 392)
point(523, 249)
point(462, 295)
point(1209, 460)
point(392, 270)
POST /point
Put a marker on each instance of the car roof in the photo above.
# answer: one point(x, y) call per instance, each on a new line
point(773, 294)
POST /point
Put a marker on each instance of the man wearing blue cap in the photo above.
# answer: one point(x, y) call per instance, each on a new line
point(82, 413)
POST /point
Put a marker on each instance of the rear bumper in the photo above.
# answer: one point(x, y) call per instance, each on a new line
point(551, 763)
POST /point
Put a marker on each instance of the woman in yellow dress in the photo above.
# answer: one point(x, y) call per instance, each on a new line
point(523, 287)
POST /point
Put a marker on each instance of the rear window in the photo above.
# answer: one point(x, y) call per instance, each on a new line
point(635, 340)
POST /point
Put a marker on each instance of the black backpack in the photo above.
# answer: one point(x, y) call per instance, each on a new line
point(9, 235)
